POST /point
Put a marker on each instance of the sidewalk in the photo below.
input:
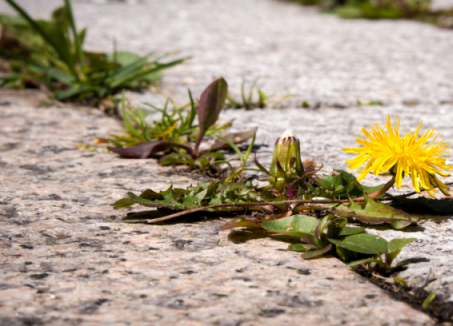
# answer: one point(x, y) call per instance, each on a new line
point(67, 258)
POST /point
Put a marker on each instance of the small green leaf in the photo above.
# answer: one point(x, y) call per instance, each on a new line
point(335, 227)
point(305, 104)
point(316, 253)
point(295, 225)
point(319, 231)
point(398, 244)
point(395, 247)
point(402, 281)
point(301, 247)
point(367, 261)
point(123, 203)
point(177, 158)
point(428, 300)
point(363, 243)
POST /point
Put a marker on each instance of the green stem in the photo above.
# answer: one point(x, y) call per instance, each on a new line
point(256, 204)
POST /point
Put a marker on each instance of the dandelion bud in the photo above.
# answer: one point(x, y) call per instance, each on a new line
point(286, 164)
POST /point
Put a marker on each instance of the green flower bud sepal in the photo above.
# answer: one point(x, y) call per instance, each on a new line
point(286, 167)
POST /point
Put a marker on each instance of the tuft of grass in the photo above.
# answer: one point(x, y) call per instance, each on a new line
point(385, 9)
point(247, 100)
point(251, 99)
point(174, 138)
point(49, 54)
point(175, 124)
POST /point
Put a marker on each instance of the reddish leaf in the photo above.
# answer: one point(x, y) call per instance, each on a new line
point(211, 103)
point(145, 150)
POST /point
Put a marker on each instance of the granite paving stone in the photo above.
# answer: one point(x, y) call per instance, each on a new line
point(68, 258)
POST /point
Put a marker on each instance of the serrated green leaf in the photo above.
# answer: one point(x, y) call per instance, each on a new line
point(344, 185)
point(296, 226)
point(123, 203)
point(203, 194)
point(362, 243)
point(151, 195)
point(371, 212)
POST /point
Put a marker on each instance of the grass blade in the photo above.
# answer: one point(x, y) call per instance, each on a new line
point(127, 123)
point(232, 145)
point(70, 92)
point(249, 149)
point(192, 113)
point(78, 44)
point(51, 35)
point(249, 100)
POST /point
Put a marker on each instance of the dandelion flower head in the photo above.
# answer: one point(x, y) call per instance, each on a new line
point(411, 155)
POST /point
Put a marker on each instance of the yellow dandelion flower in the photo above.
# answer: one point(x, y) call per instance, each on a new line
point(411, 155)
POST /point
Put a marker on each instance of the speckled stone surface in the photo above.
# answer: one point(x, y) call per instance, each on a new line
point(318, 58)
point(67, 258)
point(323, 133)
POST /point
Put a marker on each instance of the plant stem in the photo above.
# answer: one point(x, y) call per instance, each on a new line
point(275, 203)
point(381, 191)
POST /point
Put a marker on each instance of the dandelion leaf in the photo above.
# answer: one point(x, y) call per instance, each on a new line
point(203, 194)
point(317, 253)
point(362, 243)
point(147, 149)
point(344, 185)
point(296, 226)
point(348, 230)
point(372, 212)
